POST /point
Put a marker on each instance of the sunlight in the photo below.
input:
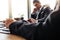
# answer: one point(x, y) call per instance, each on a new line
point(51, 3)
point(3, 9)
point(19, 8)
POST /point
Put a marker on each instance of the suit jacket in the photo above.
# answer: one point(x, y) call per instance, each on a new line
point(50, 29)
point(44, 12)
point(25, 30)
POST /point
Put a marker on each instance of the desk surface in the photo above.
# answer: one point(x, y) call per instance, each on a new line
point(10, 37)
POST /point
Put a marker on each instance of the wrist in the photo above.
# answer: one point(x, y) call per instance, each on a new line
point(36, 21)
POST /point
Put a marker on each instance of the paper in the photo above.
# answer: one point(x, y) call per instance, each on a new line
point(4, 30)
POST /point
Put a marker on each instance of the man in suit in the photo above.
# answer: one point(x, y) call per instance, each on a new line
point(40, 12)
point(50, 29)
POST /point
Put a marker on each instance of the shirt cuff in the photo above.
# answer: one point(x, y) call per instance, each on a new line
point(36, 21)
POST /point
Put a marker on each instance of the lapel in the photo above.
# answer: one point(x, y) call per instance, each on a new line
point(40, 13)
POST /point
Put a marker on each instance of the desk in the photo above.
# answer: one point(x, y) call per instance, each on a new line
point(10, 37)
point(7, 36)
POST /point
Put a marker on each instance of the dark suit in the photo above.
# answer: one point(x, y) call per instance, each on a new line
point(50, 30)
point(25, 30)
point(44, 12)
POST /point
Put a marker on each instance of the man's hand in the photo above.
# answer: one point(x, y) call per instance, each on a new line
point(31, 20)
point(34, 10)
point(8, 22)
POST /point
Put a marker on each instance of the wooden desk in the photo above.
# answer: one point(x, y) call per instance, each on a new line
point(10, 37)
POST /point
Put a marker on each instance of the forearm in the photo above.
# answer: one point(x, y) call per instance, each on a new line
point(25, 31)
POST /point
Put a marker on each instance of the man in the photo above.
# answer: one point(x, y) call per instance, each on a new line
point(40, 12)
point(36, 10)
point(50, 29)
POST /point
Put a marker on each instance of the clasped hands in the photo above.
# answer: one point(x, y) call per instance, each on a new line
point(8, 21)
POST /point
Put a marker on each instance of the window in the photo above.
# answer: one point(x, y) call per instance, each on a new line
point(19, 8)
point(4, 10)
point(13, 8)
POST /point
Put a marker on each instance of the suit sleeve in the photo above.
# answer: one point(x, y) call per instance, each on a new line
point(46, 12)
point(26, 30)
